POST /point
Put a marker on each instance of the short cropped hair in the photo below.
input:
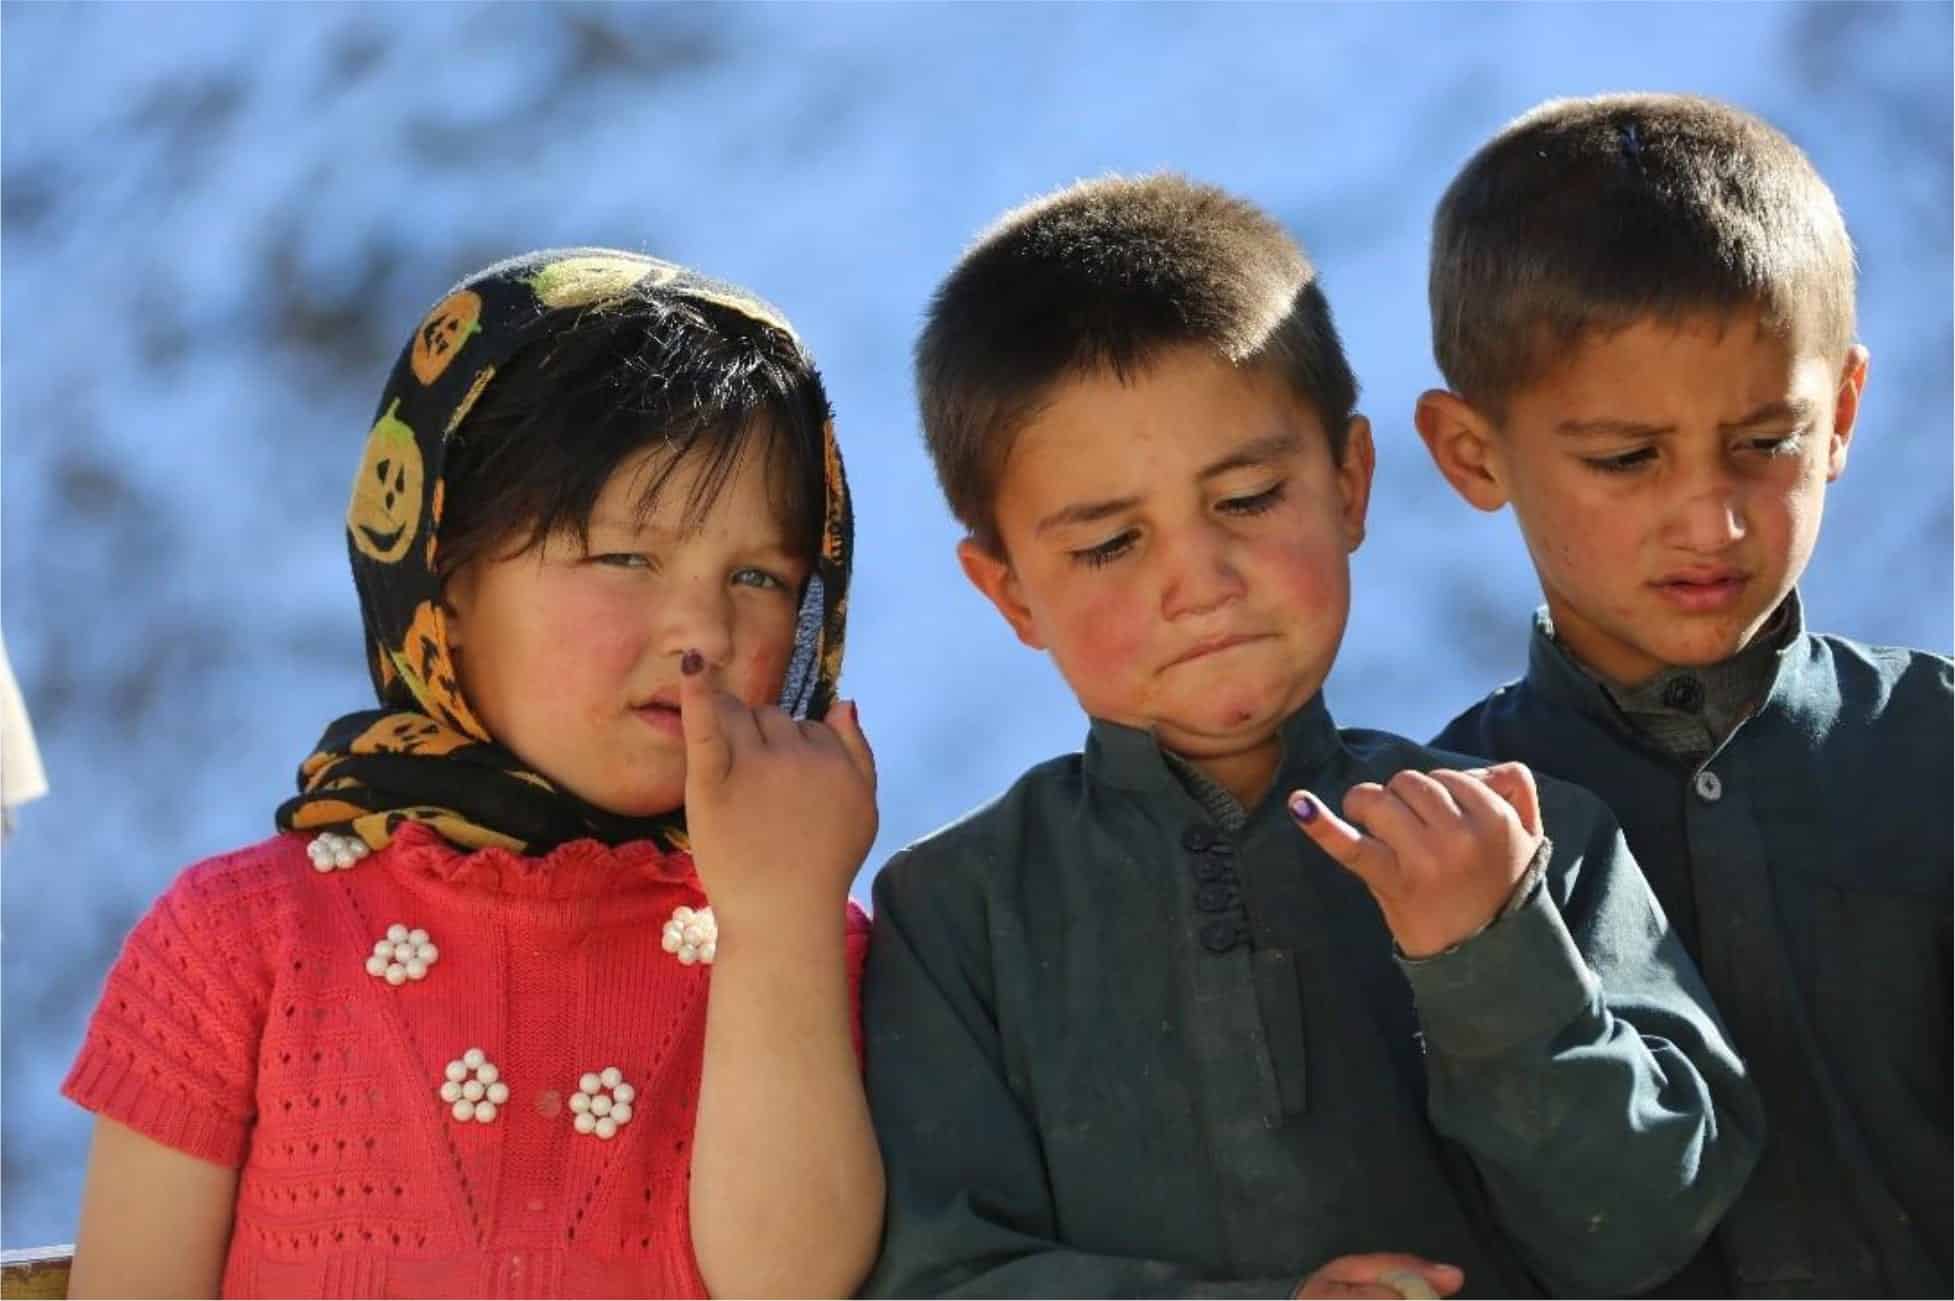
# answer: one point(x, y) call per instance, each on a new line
point(529, 461)
point(1586, 215)
point(1106, 275)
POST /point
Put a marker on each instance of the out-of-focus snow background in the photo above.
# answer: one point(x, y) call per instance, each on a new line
point(218, 223)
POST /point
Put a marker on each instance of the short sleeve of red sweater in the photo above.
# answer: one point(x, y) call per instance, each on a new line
point(171, 1051)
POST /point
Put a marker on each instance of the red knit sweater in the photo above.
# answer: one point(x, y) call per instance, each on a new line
point(240, 1025)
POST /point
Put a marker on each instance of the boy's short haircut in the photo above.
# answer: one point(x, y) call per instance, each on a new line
point(560, 417)
point(1107, 274)
point(1589, 214)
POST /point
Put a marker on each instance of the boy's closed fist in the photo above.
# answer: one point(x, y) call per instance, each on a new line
point(780, 813)
point(1441, 852)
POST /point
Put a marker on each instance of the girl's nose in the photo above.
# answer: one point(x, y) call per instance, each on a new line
point(695, 615)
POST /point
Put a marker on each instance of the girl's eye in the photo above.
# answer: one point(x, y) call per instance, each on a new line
point(1622, 462)
point(1256, 503)
point(1111, 549)
point(622, 560)
point(760, 578)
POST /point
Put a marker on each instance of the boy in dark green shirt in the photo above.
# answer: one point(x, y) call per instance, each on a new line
point(1160, 1021)
point(1643, 306)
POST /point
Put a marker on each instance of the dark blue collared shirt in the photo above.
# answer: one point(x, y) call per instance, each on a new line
point(1806, 863)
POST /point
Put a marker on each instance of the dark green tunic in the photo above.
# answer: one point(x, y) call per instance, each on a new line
point(1114, 1050)
point(1806, 864)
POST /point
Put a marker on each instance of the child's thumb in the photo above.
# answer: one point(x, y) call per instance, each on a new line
point(845, 720)
point(708, 756)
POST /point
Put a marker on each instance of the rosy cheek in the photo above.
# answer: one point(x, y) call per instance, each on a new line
point(1310, 579)
point(1108, 633)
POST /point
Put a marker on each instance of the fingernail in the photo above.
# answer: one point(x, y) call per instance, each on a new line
point(691, 662)
point(1302, 807)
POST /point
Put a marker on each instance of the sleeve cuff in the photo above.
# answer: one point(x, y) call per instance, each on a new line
point(1521, 978)
point(109, 1086)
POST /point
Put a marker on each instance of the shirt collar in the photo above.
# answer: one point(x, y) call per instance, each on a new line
point(1562, 679)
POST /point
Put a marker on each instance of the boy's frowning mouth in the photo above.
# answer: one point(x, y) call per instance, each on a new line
point(1203, 649)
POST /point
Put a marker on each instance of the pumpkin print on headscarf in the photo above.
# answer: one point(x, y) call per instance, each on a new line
point(424, 756)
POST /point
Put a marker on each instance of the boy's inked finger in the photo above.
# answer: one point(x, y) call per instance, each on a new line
point(1363, 856)
point(845, 720)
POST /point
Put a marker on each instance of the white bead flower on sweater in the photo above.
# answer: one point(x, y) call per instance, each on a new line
point(402, 955)
point(474, 1088)
point(691, 936)
point(329, 850)
point(602, 1102)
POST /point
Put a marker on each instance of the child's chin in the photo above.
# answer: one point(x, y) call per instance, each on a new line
point(642, 804)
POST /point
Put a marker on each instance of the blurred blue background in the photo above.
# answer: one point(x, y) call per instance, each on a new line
point(221, 221)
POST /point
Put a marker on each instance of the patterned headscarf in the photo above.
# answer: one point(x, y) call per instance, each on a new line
point(424, 756)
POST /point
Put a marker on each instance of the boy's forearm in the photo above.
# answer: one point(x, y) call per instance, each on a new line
point(1612, 1126)
point(783, 1152)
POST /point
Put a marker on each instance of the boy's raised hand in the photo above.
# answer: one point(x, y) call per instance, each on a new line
point(780, 813)
point(1441, 852)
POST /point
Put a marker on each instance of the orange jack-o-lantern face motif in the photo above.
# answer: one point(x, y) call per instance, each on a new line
point(386, 505)
point(442, 335)
point(408, 734)
point(423, 664)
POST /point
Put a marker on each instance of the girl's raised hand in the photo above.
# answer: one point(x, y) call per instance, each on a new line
point(780, 813)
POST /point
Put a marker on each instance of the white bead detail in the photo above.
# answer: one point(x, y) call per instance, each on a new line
point(602, 1102)
point(691, 936)
point(473, 1088)
point(401, 955)
point(330, 851)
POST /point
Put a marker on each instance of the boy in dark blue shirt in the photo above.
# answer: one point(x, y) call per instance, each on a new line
point(1643, 307)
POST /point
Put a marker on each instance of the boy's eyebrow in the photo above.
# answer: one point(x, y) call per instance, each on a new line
point(1612, 429)
point(1778, 411)
point(1085, 512)
point(1254, 452)
point(1795, 410)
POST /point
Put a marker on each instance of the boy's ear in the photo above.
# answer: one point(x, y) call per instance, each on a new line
point(1460, 440)
point(1354, 479)
point(1846, 409)
point(992, 575)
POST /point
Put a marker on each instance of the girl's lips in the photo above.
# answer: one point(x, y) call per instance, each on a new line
point(1702, 595)
point(661, 718)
